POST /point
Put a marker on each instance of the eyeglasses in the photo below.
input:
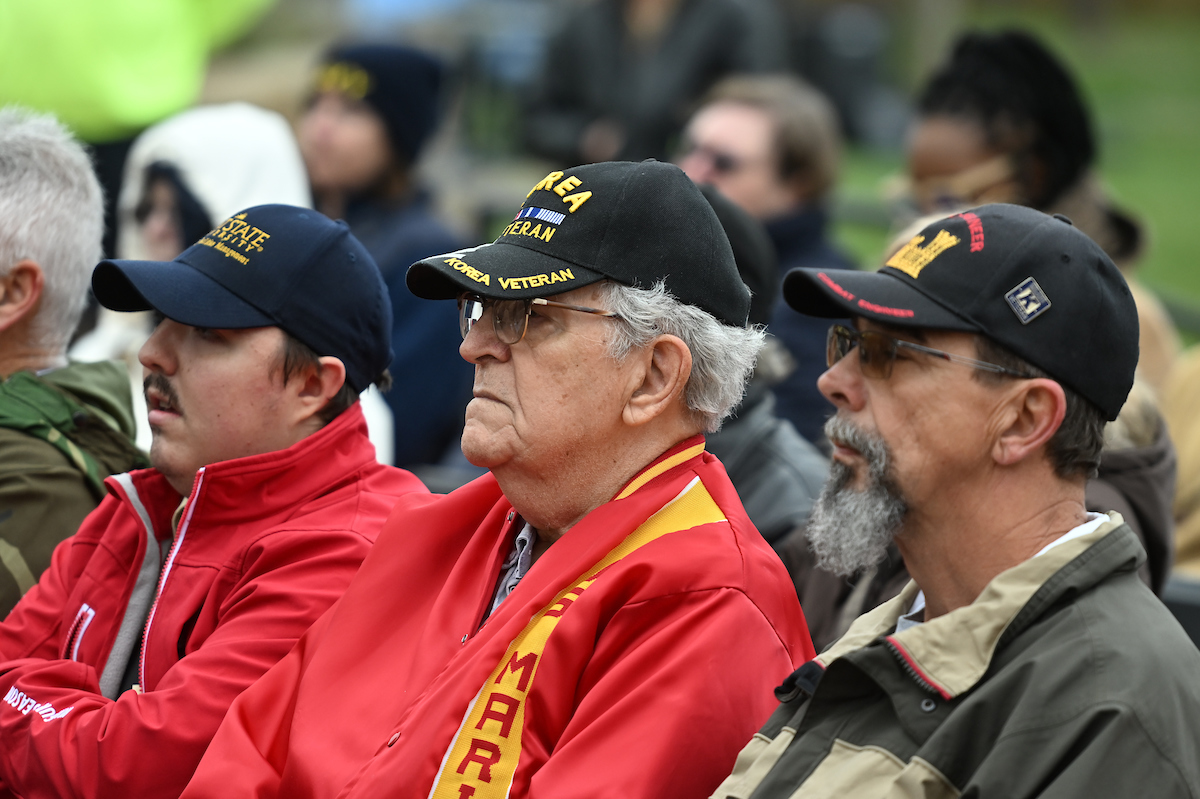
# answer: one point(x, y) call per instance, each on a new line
point(510, 318)
point(877, 353)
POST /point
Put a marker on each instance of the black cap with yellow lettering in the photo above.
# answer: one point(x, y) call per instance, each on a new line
point(269, 266)
point(634, 223)
point(1032, 283)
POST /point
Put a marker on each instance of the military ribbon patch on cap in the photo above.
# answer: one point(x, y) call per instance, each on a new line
point(546, 215)
point(1027, 300)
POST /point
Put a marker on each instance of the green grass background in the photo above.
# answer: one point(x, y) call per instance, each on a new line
point(1140, 73)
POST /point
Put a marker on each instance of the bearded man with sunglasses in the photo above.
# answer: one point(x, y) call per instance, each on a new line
point(1026, 658)
point(595, 617)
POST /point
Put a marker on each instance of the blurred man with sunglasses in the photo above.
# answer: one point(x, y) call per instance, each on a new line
point(771, 145)
point(1026, 658)
point(598, 609)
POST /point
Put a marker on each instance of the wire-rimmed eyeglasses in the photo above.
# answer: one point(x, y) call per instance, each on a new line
point(877, 353)
point(510, 318)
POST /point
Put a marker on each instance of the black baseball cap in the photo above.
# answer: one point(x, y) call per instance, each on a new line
point(1032, 283)
point(271, 265)
point(634, 223)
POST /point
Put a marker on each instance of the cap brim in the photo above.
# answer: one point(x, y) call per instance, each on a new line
point(176, 290)
point(879, 296)
point(499, 270)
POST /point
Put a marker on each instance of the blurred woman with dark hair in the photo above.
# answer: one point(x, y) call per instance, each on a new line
point(1003, 121)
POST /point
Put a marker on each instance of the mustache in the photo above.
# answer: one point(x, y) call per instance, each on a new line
point(160, 384)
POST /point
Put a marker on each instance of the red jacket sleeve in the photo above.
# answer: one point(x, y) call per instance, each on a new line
point(250, 748)
point(675, 688)
point(59, 737)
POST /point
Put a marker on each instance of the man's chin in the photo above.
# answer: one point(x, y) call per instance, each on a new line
point(480, 447)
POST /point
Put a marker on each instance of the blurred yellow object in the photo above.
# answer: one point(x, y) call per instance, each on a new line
point(109, 68)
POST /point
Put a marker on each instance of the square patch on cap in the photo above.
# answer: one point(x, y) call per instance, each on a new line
point(1027, 300)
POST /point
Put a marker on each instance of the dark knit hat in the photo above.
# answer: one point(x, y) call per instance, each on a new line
point(1029, 282)
point(401, 84)
point(635, 224)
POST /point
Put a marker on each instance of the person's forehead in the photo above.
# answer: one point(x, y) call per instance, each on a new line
point(735, 124)
point(942, 145)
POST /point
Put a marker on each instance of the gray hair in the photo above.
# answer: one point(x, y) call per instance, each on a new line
point(722, 355)
point(51, 212)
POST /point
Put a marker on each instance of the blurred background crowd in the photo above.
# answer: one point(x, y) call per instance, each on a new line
point(834, 126)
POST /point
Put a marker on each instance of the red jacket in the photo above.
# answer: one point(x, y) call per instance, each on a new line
point(634, 659)
point(264, 546)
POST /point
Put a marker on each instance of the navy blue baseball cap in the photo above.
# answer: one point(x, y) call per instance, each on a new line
point(269, 266)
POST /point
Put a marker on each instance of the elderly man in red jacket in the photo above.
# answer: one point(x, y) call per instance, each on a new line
point(595, 616)
point(191, 579)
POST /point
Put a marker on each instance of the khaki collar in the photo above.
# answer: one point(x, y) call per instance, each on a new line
point(953, 651)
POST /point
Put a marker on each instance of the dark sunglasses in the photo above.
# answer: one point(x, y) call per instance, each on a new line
point(510, 318)
point(877, 353)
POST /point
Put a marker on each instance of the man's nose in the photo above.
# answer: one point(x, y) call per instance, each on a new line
point(481, 342)
point(842, 384)
point(158, 353)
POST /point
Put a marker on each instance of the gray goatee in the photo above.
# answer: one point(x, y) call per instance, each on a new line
point(850, 529)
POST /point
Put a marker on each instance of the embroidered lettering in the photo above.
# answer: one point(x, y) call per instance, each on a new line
point(576, 200)
point(486, 754)
point(523, 665)
point(505, 715)
point(976, 227)
point(535, 281)
point(460, 265)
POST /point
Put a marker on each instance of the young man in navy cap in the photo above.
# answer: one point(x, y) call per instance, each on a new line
point(1026, 658)
point(597, 609)
point(191, 579)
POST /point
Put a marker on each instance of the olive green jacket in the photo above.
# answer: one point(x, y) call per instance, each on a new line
point(1065, 678)
point(60, 435)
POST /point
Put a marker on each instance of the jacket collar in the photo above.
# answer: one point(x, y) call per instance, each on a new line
point(272, 484)
point(954, 651)
point(681, 453)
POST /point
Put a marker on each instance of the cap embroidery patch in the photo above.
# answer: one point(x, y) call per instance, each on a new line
point(1027, 300)
point(544, 214)
point(345, 78)
point(236, 239)
point(459, 265)
point(560, 187)
point(912, 257)
point(536, 281)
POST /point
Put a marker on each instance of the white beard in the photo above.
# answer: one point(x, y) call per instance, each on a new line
point(850, 530)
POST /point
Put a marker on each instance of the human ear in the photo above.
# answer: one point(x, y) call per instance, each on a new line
point(317, 386)
point(20, 291)
point(1033, 413)
point(659, 381)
